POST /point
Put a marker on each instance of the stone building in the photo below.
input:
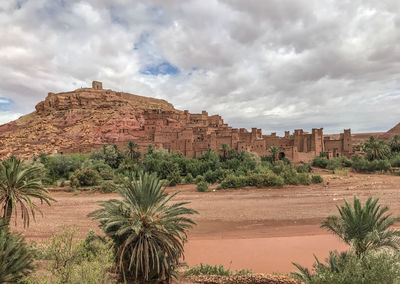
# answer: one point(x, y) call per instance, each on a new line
point(88, 118)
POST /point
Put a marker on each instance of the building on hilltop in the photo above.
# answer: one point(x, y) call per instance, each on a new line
point(88, 118)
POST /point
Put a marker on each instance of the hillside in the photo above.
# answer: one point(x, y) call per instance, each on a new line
point(80, 119)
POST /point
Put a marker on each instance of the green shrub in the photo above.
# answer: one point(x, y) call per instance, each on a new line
point(206, 269)
point(304, 168)
point(340, 172)
point(316, 179)
point(174, 177)
point(344, 162)
point(85, 177)
point(290, 177)
point(333, 164)
point(16, 260)
point(346, 268)
point(108, 186)
point(232, 181)
point(199, 178)
point(278, 167)
point(320, 162)
point(72, 262)
point(304, 179)
point(395, 161)
point(189, 178)
point(202, 186)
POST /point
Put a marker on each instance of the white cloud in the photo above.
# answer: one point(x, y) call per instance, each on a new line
point(273, 64)
point(7, 116)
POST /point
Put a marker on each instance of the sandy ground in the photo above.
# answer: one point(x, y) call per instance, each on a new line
point(260, 229)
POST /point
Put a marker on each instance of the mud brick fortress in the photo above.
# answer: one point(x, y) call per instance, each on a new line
point(88, 118)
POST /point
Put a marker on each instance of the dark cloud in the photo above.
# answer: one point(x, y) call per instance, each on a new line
point(273, 64)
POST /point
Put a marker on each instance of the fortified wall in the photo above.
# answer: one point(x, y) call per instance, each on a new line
point(87, 118)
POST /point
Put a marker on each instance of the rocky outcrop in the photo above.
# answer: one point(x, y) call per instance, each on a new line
point(79, 120)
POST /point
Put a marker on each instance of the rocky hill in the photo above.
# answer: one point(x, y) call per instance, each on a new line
point(78, 119)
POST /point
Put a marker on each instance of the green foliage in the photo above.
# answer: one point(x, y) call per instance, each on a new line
point(108, 186)
point(110, 155)
point(202, 186)
point(19, 183)
point(364, 165)
point(304, 168)
point(320, 162)
point(333, 164)
point(189, 178)
point(394, 144)
point(63, 165)
point(206, 269)
point(73, 262)
point(364, 227)
point(274, 152)
point(174, 177)
point(85, 177)
point(376, 149)
point(345, 268)
point(15, 257)
point(291, 177)
point(104, 170)
point(304, 179)
point(147, 230)
point(395, 161)
point(199, 178)
point(316, 179)
point(266, 179)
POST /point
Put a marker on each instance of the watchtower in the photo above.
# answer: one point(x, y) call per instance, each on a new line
point(97, 85)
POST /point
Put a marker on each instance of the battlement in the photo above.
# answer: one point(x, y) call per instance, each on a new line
point(97, 85)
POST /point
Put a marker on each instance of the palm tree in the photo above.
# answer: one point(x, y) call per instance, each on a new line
point(225, 151)
point(274, 151)
point(364, 227)
point(394, 143)
point(18, 184)
point(147, 229)
point(131, 151)
point(15, 258)
point(376, 149)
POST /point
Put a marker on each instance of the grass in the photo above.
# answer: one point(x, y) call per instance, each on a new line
point(206, 269)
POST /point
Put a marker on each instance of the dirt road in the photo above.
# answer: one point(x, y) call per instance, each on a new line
point(259, 229)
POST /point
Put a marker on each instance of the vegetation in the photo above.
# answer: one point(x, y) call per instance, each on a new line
point(202, 186)
point(15, 258)
point(72, 261)
point(147, 232)
point(206, 269)
point(19, 183)
point(366, 229)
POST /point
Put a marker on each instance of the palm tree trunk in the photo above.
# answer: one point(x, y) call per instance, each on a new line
point(7, 211)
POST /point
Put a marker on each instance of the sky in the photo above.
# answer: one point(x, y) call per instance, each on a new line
point(276, 65)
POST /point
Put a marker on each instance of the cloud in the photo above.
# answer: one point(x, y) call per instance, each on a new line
point(275, 64)
point(7, 116)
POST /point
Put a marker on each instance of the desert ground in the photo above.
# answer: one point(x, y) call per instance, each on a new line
point(262, 229)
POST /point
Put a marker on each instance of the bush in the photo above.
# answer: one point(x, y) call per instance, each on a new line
point(199, 178)
point(304, 179)
point(189, 178)
point(206, 269)
point(15, 257)
point(85, 177)
point(304, 168)
point(202, 186)
point(395, 161)
point(320, 162)
point(290, 177)
point(316, 179)
point(86, 261)
point(333, 164)
point(108, 186)
point(346, 268)
point(174, 177)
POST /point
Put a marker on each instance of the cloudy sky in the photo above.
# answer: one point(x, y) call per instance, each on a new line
point(275, 64)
